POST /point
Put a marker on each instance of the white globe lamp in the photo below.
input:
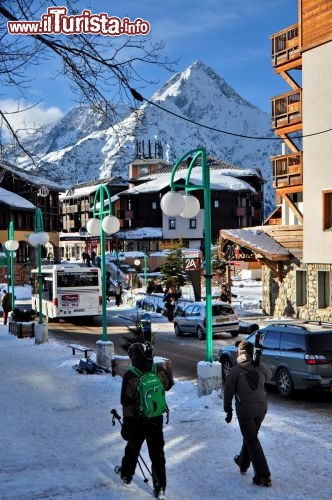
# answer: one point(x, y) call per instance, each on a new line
point(93, 226)
point(42, 238)
point(191, 208)
point(12, 245)
point(172, 203)
point(33, 239)
point(110, 224)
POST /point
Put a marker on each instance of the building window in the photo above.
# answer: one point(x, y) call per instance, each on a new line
point(216, 204)
point(171, 224)
point(327, 210)
point(154, 205)
point(323, 289)
point(192, 224)
point(301, 288)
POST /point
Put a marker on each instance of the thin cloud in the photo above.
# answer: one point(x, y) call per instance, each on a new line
point(25, 117)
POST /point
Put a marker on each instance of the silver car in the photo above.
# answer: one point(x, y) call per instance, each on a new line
point(193, 319)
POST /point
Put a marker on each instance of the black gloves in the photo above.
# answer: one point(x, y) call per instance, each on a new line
point(126, 428)
point(229, 416)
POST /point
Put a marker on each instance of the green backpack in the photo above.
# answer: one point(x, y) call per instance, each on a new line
point(151, 392)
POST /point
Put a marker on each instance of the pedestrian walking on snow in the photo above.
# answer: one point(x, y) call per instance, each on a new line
point(138, 428)
point(118, 294)
point(246, 382)
point(6, 303)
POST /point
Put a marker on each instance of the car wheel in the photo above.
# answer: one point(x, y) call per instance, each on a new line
point(234, 334)
point(200, 333)
point(285, 385)
point(177, 330)
point(226, 366)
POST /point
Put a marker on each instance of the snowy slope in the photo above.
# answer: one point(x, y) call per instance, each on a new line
point(199, 95)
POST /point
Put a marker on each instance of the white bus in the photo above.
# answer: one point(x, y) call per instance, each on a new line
point(68, 291)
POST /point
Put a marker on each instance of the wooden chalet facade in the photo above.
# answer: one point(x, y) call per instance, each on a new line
point(20, 195)
point(76, 208)
point(140, 207)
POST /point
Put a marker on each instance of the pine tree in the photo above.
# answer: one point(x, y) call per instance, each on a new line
point(172, 273)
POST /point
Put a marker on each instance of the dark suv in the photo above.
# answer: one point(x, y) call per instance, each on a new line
point(299, 355)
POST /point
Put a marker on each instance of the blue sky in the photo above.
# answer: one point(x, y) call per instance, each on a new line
point(231, 36)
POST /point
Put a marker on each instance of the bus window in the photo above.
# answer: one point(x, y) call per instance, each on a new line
point(77, 279)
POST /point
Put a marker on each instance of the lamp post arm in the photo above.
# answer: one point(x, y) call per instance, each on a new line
point(194, 153)
point(100, 196)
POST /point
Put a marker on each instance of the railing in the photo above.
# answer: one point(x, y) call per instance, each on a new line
point(285, 46)
point(287, 109)
point(287, 170)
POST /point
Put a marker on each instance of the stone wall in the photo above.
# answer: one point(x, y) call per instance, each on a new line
point(279, 294)
point(311, 311)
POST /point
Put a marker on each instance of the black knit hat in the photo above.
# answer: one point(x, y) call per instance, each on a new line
point(138, 350)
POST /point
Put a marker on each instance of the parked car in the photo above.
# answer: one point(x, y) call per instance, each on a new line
point(299, 355)
point(193, 319)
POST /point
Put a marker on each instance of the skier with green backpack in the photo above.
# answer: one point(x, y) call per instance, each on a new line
point(143, 402)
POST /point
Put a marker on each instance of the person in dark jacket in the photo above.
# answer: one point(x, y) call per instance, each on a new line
point(246, 381)
point(170, 302)
point(6, 303)
point(136, 429)
point(118, 294)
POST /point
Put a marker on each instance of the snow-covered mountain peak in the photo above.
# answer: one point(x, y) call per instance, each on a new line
point(193, 108)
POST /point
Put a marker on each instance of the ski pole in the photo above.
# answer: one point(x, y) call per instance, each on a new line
point(116, 416)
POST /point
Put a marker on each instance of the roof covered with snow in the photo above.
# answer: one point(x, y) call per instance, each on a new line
point(14, 200)
point(273, 242)
point(87, 188)
point(30, 176)
point(219, 181)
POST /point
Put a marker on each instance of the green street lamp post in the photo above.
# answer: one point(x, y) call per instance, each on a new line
point(11, 246)
point(37, 239)
point(174, 203)
point(102, 223)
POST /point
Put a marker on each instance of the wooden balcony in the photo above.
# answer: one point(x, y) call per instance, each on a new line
point(287, 170)
point(286, 52)
point(287, 112)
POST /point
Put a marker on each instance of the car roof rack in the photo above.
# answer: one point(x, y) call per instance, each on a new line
point(289, 325)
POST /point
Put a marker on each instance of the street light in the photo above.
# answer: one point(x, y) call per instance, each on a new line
point(103, 222)
point(175, 203)
point(11, 246)
point(37, 240)
point(137, 263)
